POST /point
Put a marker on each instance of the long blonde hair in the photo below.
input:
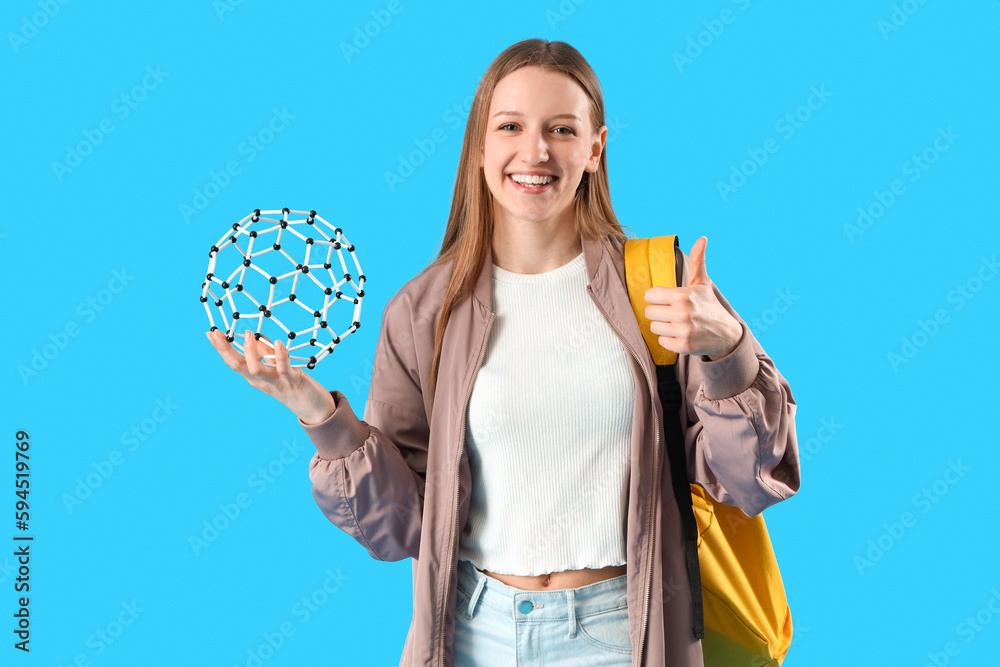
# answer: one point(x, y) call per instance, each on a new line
point(470, 223)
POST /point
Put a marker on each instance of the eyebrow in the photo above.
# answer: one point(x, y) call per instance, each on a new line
point(521, 115)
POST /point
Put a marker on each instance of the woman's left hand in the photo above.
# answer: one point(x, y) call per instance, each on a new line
point(690, 320)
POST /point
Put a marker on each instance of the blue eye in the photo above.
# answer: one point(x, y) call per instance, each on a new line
point(566, 128)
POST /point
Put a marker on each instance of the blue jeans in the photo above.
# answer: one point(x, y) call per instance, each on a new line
point(505, 626)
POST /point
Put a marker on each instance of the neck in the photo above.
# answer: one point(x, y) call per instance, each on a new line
point(525, 246)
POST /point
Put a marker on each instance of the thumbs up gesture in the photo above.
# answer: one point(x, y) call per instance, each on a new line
point(691, 320)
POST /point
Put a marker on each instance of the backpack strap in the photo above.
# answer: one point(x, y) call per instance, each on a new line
point(650, 262)
point(670, 399)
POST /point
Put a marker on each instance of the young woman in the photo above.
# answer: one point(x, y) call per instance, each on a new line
point(512, 441)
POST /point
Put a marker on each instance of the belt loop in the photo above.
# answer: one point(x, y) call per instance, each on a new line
point(571, 603)
point(475, 595)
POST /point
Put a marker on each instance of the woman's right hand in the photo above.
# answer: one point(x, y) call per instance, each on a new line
point(293, 387)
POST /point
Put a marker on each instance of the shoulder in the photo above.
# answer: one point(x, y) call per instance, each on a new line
point(614, 243)
point(415, 307)
point(424, 291)
point(616, 246)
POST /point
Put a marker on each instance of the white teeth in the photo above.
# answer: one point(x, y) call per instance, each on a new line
point(531, 180)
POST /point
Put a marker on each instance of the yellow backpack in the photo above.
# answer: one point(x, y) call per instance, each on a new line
point(740, 610)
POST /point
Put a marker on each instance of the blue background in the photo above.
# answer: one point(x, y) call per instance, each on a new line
point(678, 128)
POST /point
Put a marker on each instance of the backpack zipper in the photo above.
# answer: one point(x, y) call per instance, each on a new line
point(656, 477)
point(458, 486)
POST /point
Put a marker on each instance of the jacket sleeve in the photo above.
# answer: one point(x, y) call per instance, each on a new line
point(740, 438)
point(368, 475)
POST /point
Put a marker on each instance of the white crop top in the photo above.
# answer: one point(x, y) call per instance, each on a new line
point(548, 431)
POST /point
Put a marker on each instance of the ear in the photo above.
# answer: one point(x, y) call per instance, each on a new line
point(597, 148)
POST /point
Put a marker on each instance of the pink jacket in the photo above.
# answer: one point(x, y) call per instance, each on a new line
point(399, 481)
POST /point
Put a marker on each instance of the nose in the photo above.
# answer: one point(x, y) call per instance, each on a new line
point(535, 147)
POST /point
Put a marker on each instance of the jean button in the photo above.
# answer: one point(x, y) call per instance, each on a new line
point(525, 607)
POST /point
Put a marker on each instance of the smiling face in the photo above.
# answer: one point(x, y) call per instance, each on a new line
point(538, 129)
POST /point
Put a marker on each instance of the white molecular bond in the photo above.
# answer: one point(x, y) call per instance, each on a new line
point(267, 265)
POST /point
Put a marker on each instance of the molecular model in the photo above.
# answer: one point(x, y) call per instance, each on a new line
point(299, 291)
